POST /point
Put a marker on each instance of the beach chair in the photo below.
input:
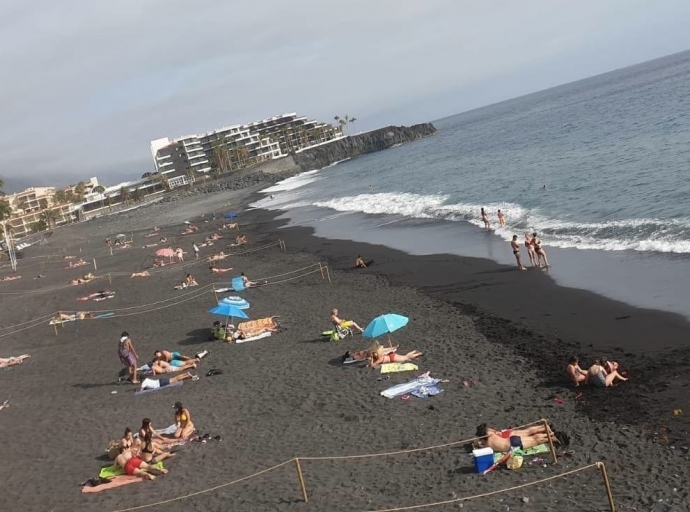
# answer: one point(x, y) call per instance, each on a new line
point(340, 333)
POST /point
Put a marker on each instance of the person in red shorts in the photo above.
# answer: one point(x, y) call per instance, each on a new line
point(135, 466)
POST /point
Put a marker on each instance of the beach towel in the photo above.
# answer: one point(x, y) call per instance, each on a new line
point(398, 367)
point(254, 338)
point(110, 471)
point(541, 448)
point(237, 284)
point(117, 481)
point(426, 391)
point(254, 328)
point(408, 387)
point(174, 384)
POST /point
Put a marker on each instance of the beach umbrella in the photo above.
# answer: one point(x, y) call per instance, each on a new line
point(238, 302)
point(165, 253)
point(228, 311)
point(230, 215)
point(385, 324)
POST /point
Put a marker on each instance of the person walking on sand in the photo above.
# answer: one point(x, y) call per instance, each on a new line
point(530, 251)
point(501, 219)
point(128, 356)
point(485, 220)
point(516, 252)
point(539, 251)
point(179, 254)
point(196, 250)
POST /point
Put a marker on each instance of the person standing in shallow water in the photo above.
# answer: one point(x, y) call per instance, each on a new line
point(501, 219)
point(485, 220)
point(516, 251)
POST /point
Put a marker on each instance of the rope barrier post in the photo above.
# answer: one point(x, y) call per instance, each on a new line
point(607, 484)
point(328, 273)
point(110, 279)
point(321, 269)
point(95, 267)
point(111, 250)
point(55, 326)
point(301, 481)
point(551, 447)
point(215, 293)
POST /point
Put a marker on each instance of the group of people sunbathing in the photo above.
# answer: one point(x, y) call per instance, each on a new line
point(186, 283)
point(602, 374)
point(139, 455)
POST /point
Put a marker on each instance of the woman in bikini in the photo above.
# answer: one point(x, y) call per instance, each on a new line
point(485, 220)
point(540, 252)
point(157, 439)
point(516, 252)
point(530, 251)
point(183, 420)
point(150, 452)
point(128, 442)
point(600, 378)
point(576, 374)
point(379, 357)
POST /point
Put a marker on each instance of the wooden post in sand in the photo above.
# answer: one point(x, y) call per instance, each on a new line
point(55, 326)
point(110, 279)
point(551, 447)
point(301, 481)
point(95, 267)
point(111, 250)
point(328, 273)
point(321, 269)
point(215, 293)
point(605, 477)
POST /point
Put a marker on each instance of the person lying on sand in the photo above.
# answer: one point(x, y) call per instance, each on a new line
point(183, 420)
point(79, 263)
point(187, 282)
point(160, 367)
point(10, 278)
point(216, 270)
point(98, 296)
point(253, 328)
point(508, 440)
point(214, 236)
point(86, 278)
point(380, 357)
point(71, 317)
point(148, 246)
point(229, 226)
point(135, 466)
point(576, 374)
point(344, 324)
point(158, 263)
point(68, 257)
point(218, 256)
point(150, 452)
point(164, 381)
point(145, 273)
point(13, 361)
point(363, 355)
point(248, 283)
point(240, 240)
point(174, 358)
point(598, 377)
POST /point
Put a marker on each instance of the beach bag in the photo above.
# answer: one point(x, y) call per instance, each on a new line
point(113, 450)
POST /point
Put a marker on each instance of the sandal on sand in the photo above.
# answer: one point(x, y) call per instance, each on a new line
point(195, 377)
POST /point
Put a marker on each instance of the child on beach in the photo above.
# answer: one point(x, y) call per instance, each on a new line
point(576, 374)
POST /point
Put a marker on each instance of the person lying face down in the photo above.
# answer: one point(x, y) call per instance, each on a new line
point(160, 367)
point(381, 356)
point(509, 440)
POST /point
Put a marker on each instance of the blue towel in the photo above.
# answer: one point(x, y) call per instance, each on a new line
point(426, 391)
point(237, 284)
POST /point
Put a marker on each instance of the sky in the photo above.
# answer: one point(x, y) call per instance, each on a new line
point(86, 85)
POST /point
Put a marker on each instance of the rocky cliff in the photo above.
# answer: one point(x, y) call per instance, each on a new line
point(356, 145)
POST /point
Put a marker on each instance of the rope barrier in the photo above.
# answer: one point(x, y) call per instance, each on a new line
point(287, 273)
point(485, 494)
point(130, 509)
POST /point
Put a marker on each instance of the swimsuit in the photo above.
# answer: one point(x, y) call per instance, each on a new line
point(505, 434)
point(133, 464)
point(391, 357)
point(599, 379)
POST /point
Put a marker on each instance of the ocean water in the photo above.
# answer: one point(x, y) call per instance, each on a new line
point(597, 167)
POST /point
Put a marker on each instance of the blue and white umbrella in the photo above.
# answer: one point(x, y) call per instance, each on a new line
point(385, 324)
point(228, 311)
point(236, 301)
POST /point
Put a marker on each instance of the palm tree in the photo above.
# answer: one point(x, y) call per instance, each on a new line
point(5, 209)
point(99, 189)
point(347, 120)
point(342, 123)
point(136, 195)
point(353, 123)
point(49, 217)
point(124, 194)
point(337, 119)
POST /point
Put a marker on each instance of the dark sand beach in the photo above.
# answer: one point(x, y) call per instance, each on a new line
point(287, 396)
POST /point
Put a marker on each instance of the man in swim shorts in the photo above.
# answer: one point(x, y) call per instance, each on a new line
point(173, 358)
point(134, 466)
point(510, 440)
point(147, 383)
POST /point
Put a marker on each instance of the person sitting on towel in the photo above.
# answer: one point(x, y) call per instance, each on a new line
point(158, 440)
point(183, 420)
point(135, 466)
point(508, 440)
point(379, 357)
point(150, 452)
point(163, 381)
point(344, 324)
point(174, 358)
point(160, 367)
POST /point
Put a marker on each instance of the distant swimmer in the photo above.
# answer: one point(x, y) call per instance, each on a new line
point(516, 252)
point(539, 250)
point(544, 187)
point(501, 219)
point(485, 220)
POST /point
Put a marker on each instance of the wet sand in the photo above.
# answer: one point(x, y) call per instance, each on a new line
point(288, 396)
